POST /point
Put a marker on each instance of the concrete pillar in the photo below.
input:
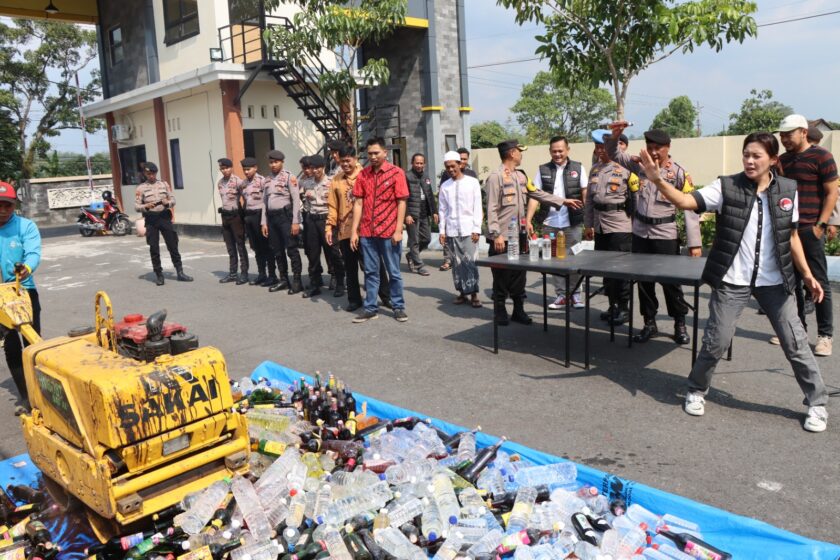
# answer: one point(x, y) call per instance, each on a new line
point(232, 116)
point(116, 170)
point(162, 141)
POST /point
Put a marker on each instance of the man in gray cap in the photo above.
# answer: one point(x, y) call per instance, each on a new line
point(252, 191)
point(655, 227)
point(233, 230)
point(281, 223)
point(508, 190)
point(155, 200)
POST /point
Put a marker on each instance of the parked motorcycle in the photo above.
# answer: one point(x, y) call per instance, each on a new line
point(103, 217)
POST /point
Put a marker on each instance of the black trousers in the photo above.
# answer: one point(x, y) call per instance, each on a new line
point(506, 283)
point(157, 224)
point(315, 237)
point(259, 244)
point(14, 345)
point(282, 243)
point(233, 232)
point(815, 256)
point(674, 299)
point(618, 291)
point(352, 261)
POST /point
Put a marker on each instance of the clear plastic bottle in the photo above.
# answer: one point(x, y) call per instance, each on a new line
point(277, 512)
point(266, 550)
point(534, 249)
point(546, 475)
point(513, 240)
point(466, 447)
point(297, 508)
point(204, 506)
point(469, 498)
point(323, 496)
point(545, 247)
point(450, 547)
point(252, 511)
point(526, 497)
point(335, 545)
point(405, 512)
point(403, 472)
point(445, 498)
point(639, 514)
point(431, 525)
point(631, 541)
point(487, 544)
point(566, 500)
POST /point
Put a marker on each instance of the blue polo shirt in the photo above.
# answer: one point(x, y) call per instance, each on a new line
point(20, 241)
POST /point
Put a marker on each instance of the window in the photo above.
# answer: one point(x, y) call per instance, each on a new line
point(180, 20)
point(130, 160)
point(115, 44)
point(177, 171)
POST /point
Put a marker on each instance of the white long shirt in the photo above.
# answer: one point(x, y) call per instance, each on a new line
point(741, 270)
point(460, 208)
point(559, 218)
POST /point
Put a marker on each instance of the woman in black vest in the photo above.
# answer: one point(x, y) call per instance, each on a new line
point(754, 253)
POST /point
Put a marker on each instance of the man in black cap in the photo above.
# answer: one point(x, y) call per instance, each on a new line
point(334, 163)
point(281, 223)
point(154, 199)
point(253, 189)
point(655, 226)
point(233, 230)
point(315, 194)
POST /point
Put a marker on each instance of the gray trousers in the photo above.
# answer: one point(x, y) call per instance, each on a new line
point(419, 235)
point(573, 235)
point(725, 307)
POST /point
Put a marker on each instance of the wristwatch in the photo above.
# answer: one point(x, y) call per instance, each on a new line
point(821, 225)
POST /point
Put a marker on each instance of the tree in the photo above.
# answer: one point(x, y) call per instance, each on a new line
point(71, 164)
point(547, 109)
point(8, 143)
point(611, 42)
point(678, 118)
point(758, 112)
point(38, 63)
point(341, 28)
point(487, 134)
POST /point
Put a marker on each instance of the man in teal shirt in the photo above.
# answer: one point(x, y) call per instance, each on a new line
point(20, 242)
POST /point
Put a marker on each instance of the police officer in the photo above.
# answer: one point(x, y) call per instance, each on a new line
point(233, 230)
point(281, 223)
point(607, 220)
point(655, 227)
point(508, 190)
point(315, 194)
point(252, 191)
point(154, 199)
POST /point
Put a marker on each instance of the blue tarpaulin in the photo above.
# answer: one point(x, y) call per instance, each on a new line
point(742, 537)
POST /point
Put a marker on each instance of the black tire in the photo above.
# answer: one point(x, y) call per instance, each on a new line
point(121, 226)
point(86, 232)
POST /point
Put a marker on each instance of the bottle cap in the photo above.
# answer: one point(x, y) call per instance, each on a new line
point(453, 520)
point(432, 536)
point(382, 476)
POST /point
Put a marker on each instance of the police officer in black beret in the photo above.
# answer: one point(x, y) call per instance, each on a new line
point(233, 228)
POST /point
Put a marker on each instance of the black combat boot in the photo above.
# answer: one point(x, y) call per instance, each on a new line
point(258, 281)
point(242, 279)
point(500, 314)
point(680, 333)
point(282, 284)
point(519, 314)
point(333, 282)
point(229, 278)
point(159, 278)
point(648, 332)
point(312, 290)
point(620, 316)
point(179, 274)
point(339, 289)
point(297, 285)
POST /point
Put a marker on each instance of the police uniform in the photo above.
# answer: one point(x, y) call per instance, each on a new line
point(233, 229)
point(608, 210)
point(155, 201)
point(315, 199)
point(252, 192)
point(507, 199)
point(655, 232)
point(281, 209)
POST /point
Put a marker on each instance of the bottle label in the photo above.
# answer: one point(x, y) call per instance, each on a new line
point(202, 553)
point(130, 541)
point(274, 447)
point(698, 551)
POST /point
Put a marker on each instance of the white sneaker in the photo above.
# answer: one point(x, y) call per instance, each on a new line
point(774, 340)
point(695, 403)
point(559, 303)
point(577, 301)
point(817, 419)
point(823, 347)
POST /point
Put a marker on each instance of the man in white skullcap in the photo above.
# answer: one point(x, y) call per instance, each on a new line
point(460, 212)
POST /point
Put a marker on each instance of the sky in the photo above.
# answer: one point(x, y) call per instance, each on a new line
point(797, 61)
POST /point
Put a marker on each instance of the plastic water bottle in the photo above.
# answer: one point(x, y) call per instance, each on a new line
point(545, 247)
point(445, 498)
point(546, 475)
point(487, 544)
point(513, 240)
point(522, 509)
point(335, 545)
point(534, 249)
point(404, 513)
point(431, 524)
point(450, 548)
point(252, 511)
point(632, 541)
point(257, 551)
point(466, 447)
point(403, 472)
point(205, 505)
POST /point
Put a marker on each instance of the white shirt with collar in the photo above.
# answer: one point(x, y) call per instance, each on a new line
point(741, 271)
point(460, 207)
point(559, 218)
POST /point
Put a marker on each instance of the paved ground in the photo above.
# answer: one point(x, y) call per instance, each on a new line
point(748, 455)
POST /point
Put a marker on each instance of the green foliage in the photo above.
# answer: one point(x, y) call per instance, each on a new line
point(611, 42)
point(342, 28)
point(8, 144)
point(487, 134)
point(678, 118)
point(545, 109)
point(759, 112)
point(70, 164)
point(38, 62)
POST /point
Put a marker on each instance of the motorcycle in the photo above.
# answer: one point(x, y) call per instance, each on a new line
point(103, 217)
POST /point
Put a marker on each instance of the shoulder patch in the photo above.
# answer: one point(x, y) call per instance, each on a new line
point(688, 185)
point(633, 181)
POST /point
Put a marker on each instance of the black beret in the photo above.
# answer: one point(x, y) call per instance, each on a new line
point(335, 145)
point(317, 161)
point(225, 162)
point(305, 161)
point(507, 145)
point(249, 162)
point(623, 138)
point(276, 155)
point(657, 136)
point(149, 166)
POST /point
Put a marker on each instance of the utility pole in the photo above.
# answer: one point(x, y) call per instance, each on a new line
point(699, 108)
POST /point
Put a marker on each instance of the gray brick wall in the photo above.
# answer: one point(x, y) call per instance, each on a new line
point(449, 79)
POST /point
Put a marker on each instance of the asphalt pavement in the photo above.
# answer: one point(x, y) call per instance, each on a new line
point(748, 454)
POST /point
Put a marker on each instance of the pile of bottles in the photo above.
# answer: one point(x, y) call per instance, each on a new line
point(23, 535)
point(330, 481)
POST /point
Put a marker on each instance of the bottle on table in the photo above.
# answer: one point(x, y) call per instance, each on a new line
point(561, 245)
point(512, 240)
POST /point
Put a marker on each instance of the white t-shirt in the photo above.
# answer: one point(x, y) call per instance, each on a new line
point(741, 271)
point(559, 218)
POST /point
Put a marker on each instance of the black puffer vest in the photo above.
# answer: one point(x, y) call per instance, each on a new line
point(571, 183)
point(739, 194)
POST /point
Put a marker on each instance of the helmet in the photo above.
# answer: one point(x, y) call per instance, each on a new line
point(107, 195)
